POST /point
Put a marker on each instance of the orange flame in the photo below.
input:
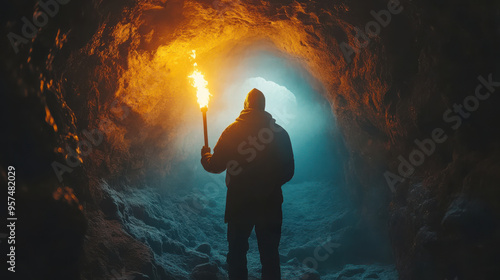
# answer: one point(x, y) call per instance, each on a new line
point(199, 82)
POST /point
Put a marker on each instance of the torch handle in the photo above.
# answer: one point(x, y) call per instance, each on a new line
point(205, 133)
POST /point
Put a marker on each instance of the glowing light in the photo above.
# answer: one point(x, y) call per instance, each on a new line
point(281, 103)
point(49, 119)
point(199, 82)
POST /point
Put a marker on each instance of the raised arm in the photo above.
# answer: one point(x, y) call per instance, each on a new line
point(216, 162)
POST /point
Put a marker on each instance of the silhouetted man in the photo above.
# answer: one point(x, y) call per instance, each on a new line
point(258, 157)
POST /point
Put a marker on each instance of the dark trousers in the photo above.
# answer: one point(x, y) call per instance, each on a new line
point(268, 231)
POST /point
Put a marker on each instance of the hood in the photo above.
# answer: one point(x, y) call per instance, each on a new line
point(255, 100)
point(255, 116)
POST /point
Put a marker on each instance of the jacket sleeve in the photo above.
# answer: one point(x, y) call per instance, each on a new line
point(217, 162)
point(288, 163)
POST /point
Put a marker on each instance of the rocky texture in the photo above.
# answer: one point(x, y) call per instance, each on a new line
point(443, 219)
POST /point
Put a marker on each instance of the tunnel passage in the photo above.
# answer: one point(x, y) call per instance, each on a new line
point(180, 217)
point(187, 207)
point(290, 99)
point(121, 68)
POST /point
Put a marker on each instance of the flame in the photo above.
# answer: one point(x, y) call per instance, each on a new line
point(199, 82)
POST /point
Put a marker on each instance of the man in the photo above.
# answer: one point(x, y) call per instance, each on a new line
point(258, 156)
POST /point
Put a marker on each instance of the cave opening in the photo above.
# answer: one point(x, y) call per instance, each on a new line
point(181, 217)
point(178, 212)
point(293, 97)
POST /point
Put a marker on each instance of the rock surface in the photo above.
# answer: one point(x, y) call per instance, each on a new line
point(120, 68)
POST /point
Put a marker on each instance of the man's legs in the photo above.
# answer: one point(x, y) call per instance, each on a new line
point(237, 236)
point(268, 232)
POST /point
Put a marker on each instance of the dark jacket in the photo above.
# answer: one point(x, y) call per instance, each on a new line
point(258, 157)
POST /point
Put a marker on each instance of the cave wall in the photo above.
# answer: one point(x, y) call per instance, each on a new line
point(79, 73)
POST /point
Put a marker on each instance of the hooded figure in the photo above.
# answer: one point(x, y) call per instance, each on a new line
point(257, 156)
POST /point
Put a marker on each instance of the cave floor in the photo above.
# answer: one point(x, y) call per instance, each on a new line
point(186, 229)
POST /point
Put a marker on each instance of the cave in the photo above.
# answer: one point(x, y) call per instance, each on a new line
point(391, 107)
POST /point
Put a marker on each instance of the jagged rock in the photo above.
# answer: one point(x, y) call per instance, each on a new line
point(125, 64)
point(207, 271)
point(204, 248)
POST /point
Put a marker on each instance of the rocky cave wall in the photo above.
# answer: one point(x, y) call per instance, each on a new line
point(93, 64)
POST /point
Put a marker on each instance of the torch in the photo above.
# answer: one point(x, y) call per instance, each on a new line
point(202, 93)
point(205, 133)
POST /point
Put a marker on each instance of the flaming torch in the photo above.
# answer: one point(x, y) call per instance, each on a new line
point(199, 82)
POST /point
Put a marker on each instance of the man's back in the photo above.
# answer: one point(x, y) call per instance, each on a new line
point(259, 160)
point(258, 156)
